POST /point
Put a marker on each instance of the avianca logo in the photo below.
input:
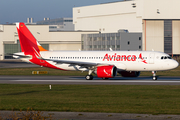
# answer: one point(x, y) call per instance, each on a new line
point(140, 56)
point(106, 73)
point(116, 57)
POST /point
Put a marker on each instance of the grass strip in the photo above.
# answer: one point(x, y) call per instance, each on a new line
point(54, 72)
point(92, 98)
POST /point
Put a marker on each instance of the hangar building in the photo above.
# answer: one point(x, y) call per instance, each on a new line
point(157, 20)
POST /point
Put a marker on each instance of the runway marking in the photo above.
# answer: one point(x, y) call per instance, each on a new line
point(125, 81)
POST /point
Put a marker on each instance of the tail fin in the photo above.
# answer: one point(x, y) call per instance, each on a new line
point(29, 44)
point(31, 47)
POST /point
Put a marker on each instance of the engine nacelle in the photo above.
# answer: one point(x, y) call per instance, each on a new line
point(106, 71)
point(129, 74)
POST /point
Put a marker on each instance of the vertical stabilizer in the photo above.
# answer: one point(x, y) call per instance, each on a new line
point(29, 44)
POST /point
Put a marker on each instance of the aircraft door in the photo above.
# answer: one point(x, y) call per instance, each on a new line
point(151, 58)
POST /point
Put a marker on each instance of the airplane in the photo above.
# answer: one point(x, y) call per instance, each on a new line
point(105, 64)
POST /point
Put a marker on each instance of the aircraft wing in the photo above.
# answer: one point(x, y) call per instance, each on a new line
point(80, 63)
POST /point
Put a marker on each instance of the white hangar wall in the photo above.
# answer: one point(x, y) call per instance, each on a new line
point(108, 18)
point(151, 17)
point(160, 9)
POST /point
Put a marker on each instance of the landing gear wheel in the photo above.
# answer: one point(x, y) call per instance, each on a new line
point(154, 77)
point(89, 77)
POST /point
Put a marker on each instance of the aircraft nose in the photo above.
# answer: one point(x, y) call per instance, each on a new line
point(175, 64)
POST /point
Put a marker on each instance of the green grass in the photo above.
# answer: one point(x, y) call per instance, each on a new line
point(28, 71)
point(92, 98)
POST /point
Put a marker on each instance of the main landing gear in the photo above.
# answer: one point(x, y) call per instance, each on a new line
point(154, 75)
point(89, 76)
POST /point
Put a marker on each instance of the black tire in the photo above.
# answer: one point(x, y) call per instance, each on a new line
point(154, 78)
point(89, 77)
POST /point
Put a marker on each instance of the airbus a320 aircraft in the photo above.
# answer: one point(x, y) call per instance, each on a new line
point(105, 64)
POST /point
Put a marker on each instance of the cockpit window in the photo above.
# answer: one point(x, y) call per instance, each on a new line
point(165, 57)
point(169, 57)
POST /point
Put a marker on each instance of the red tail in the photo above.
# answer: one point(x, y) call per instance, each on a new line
point(28, 42)
point(30, 46)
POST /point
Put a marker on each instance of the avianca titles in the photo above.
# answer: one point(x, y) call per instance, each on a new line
point(105, 64)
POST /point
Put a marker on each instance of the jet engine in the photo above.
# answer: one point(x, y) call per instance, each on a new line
point(129, 73)
point(106, 71)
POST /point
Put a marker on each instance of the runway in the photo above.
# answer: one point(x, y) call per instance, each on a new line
point(80, 80)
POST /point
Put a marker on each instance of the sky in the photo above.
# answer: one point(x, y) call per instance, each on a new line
point(19, 10)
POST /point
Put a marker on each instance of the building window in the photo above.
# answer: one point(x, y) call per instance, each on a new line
point(118, 46)
point(113, 46)
point(95, 38)
point(128, 43)
point(113, 38)
point(108, 38)
point(168, 36)
point(139, 47)
point(139, 38)
point(103, 38)
point(118, 38)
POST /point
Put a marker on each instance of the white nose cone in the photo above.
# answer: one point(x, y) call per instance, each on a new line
point(174, 64)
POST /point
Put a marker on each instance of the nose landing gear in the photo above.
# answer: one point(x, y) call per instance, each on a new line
point(154, 75)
